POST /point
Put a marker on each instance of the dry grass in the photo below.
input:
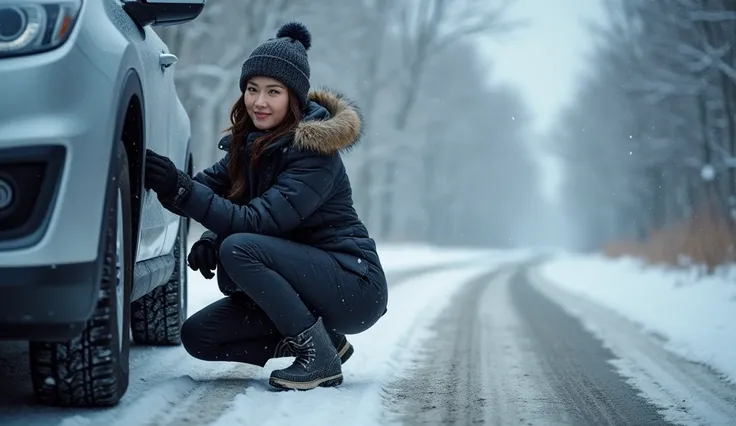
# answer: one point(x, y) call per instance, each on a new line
point(707, 239)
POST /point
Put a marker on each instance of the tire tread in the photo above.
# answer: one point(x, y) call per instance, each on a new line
point(157, 317)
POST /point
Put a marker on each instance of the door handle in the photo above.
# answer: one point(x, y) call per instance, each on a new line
point(166, 60)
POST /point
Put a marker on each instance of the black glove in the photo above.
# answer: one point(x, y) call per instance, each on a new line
point(170, 184)
point(203, 257)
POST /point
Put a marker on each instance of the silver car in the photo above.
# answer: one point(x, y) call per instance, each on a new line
point(86, 254)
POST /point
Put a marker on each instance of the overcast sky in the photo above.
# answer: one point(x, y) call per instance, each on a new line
point(544, 60)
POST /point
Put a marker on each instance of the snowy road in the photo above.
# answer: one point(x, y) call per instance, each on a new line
point(511, 351)
point(482, 339)
point(506, 355)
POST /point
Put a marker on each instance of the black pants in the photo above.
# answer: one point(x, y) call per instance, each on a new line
point(285, 287)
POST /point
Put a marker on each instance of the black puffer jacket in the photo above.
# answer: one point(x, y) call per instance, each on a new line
point(300, 190)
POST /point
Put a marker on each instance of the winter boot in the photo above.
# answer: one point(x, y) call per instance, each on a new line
point(316, 363)
point(344, 348)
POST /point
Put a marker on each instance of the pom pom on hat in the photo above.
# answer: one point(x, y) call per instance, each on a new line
point(296, 31)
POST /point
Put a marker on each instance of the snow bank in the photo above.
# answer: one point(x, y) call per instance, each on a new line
point(696, 314)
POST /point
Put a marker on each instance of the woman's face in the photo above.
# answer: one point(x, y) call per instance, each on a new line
point(267, 101)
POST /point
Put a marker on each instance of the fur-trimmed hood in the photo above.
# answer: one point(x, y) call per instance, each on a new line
point(331, 124)
point(338, 130)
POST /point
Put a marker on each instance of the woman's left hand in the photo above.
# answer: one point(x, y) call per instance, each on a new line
point(161, 175)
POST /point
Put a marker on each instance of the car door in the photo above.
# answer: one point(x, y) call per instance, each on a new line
point(177, 134)
point(154, 219)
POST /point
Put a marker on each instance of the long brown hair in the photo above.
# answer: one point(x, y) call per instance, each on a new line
point(241, 125)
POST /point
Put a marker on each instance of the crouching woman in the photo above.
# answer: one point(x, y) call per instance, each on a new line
point(297, 265)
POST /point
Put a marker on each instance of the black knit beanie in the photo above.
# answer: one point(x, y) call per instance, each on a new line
point(283, 58)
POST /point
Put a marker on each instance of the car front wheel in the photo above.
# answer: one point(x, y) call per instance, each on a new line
point(92, 369)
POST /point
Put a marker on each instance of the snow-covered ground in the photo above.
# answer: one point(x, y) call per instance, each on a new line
point(168, 387)
point(695, 314)
point(382, 354)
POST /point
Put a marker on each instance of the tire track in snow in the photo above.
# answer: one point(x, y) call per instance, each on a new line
point(504, 354)
point(686, 393)
point(204, 402)
point(477, 368)
point(576, 365)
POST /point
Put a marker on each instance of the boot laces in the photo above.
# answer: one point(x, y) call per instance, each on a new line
point(305, 351)
point(283, 348)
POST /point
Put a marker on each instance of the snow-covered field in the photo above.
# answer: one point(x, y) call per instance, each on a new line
point(695, 314)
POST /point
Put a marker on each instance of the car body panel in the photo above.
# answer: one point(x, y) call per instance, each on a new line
point(69, 96)
point(73, 97)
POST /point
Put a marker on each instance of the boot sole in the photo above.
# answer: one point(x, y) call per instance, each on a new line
point(326, 382)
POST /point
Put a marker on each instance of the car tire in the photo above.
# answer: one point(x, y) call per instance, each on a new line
point(92, 369)
point(158, 316)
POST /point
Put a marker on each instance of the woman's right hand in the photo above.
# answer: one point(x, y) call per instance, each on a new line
point(203, 257)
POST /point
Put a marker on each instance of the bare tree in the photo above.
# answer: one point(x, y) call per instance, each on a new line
point(664, 75)
point(366, 49)
point(427, 28)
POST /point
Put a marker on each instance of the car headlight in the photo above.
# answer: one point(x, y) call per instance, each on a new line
point(33, 26)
